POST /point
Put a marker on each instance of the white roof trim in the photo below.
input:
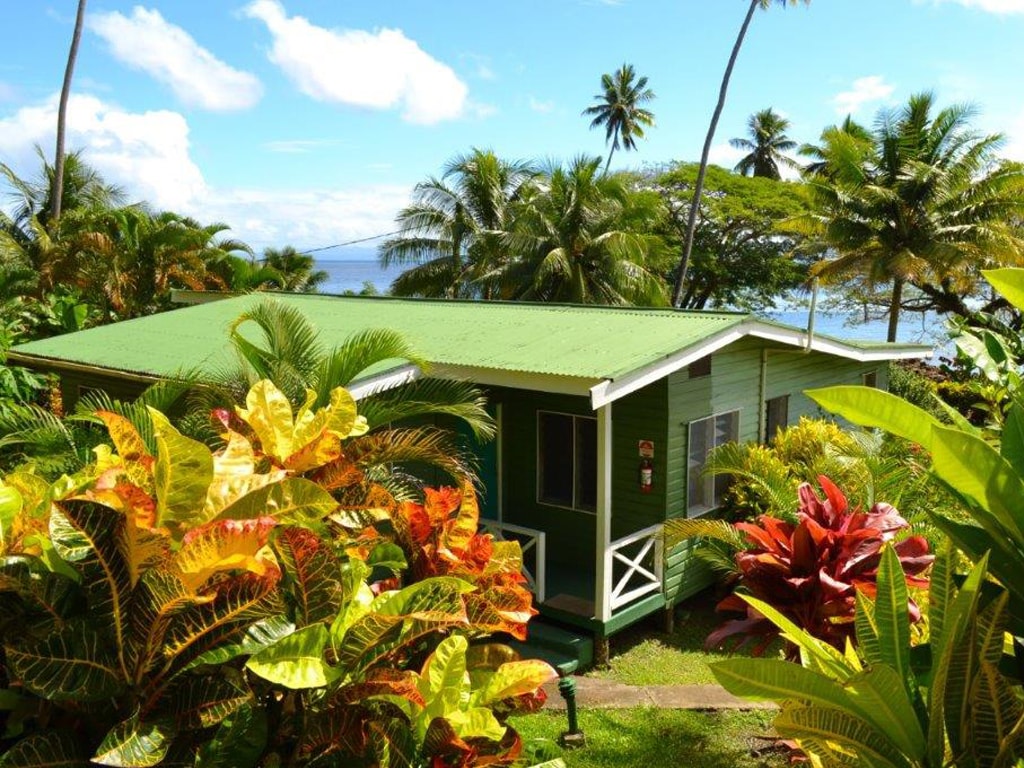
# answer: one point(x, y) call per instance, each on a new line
point(540, 382)
point(611, 390)
point(384, 381)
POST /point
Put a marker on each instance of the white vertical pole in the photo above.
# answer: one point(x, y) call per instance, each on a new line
point(603, 561)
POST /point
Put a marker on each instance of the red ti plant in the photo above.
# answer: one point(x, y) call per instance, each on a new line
point(812, 570)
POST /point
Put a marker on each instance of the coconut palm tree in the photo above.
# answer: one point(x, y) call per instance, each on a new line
point(586, 238)
point(924, 204)
point(698, 190)
point(57, 190)
point(818, 153)
point(618, 109)
point(450, 235)
point(297, 269)
point(766, 146)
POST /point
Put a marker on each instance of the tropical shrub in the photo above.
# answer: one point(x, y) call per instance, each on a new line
point(182, 606)
point(885, 704)
point(811, 571)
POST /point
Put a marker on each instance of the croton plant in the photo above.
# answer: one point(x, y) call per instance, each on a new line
point(812, 571)
point(184, 606)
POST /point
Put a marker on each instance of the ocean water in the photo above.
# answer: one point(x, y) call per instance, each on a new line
point(924, 329)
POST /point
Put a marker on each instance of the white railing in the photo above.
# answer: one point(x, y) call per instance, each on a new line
point(532, 544)
point(636, 565)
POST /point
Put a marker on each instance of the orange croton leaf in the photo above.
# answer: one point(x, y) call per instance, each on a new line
point(129, 444)
point(224, 545)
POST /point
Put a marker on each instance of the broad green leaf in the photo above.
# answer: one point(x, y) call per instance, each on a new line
point(314, 575)
point(892, 614)
point(200, 702)
point(941, 592)
point(296, 661)
point(820, 655)
point(515, 678)
point(779, 681)
point(1009, 282)
point(79, 663)
point(996, 711)
point(392, 742)
point(884, 701)
point(159, 598)
point(871, 407)
point(1011, 445)
point(293, 501)
point(476, 723)
point(238, 742)
point(49, 749)
point(133, 743)
point(388, 555)
point(842, 730)
point(11, 505)
point(979, 353)
point(975, 470)
point(182, 474)
point(867, 629)
point(444, 683)
point(258, 636)
point(91, 537)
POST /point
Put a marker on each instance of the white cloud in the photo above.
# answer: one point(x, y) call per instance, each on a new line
point(166, 52)
point(725, 155)
point(1014, 147)
point(7, 91)
point(148, 154)
point(991, 6)
point(378, 70)
point(544, 107)
point(864, 90)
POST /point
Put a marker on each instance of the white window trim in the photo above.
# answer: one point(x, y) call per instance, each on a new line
point(702, 511)
point(542, 503)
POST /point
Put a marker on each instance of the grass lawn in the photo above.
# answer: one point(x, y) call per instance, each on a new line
point(644, 655)
point(653, 738)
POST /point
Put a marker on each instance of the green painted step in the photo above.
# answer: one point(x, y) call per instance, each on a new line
point(566, 650)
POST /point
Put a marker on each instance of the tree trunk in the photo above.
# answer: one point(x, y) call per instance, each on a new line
point(57, 191)
point(610, 153)
point(894, 308)
point(691, 224)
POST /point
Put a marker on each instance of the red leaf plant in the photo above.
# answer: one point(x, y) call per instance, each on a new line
point(811, 571)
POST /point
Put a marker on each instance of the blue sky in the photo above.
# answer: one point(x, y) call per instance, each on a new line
point(308, 121)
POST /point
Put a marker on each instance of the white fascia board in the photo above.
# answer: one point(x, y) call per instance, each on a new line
point(611, 390)
point(538, 382)
point(798, 338)
point(384, 381)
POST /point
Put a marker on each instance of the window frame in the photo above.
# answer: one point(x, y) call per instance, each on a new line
point(575, 468)
point(700, 511)
point(768, 433)
point(869, 376)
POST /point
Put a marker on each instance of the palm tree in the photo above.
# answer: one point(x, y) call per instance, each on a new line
point(818, 153)
point(450, 234)
point(277, 342)
point(766, 146)
point(57, 193)
point(698, 190)
point(297, 269)
point(586, 238)
point(923, 204)
point(619, 111)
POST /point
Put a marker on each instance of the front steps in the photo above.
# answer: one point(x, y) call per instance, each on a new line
point(567, 649)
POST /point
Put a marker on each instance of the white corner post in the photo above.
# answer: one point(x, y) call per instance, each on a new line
point(603, 560)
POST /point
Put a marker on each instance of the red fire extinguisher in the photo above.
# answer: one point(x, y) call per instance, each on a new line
point(646, 475)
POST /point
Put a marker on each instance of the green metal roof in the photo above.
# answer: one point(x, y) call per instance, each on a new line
point(578, 341)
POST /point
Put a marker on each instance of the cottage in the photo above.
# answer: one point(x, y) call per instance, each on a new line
point(605, 416)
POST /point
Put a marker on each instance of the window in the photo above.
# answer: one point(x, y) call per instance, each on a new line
point(704, 492)
point(870, 379)
point(567, 460)
point(699, 368)
point(776, 416)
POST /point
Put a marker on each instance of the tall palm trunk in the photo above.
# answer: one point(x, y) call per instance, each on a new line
point(691, 224)
point(57, 192)
point(895, 303)
point(611, 152)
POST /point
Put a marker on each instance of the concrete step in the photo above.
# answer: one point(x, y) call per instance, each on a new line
point(565, 665)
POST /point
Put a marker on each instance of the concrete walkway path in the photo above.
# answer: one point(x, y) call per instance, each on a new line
point(596, 693)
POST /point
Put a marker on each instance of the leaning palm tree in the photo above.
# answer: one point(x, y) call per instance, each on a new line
point(586, 238)
point(450, 235)
point(924, 204)
point(698, 190)
point(618, 109)
point(860, 142)
point(277, 342)
point(298, 269)
point(57, 190)
point(766, 146)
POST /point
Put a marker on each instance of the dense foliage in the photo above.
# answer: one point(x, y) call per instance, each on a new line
point(191, 607)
